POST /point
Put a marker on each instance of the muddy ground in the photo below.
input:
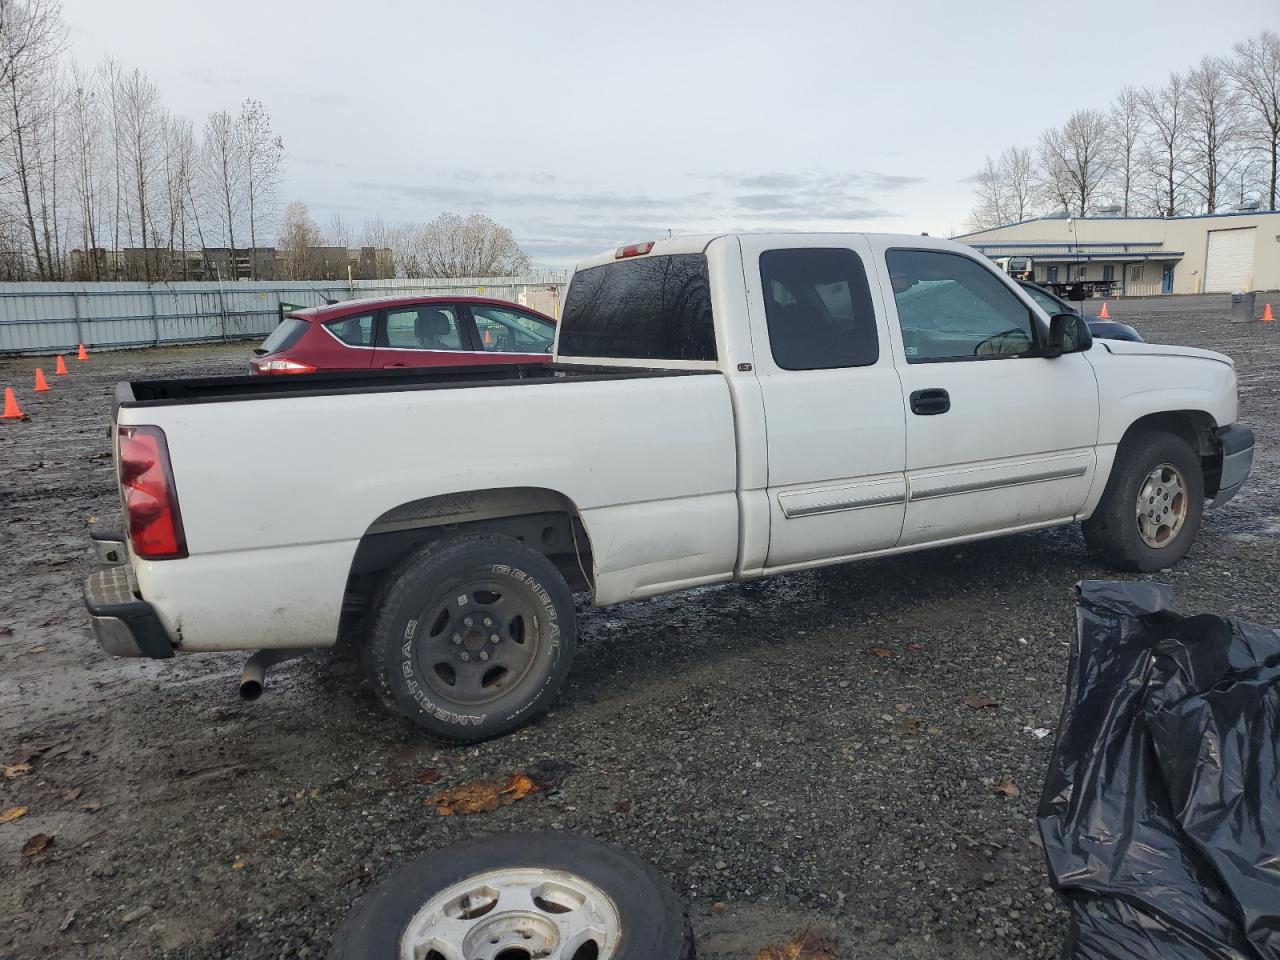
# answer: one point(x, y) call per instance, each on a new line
point(749, 740)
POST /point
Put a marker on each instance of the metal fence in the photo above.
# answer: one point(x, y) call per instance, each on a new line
point(54, 317)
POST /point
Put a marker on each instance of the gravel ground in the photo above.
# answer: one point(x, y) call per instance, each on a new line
point(791, 753)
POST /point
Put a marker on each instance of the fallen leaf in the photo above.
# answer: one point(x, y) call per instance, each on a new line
point(6, 631)
point(934, 731)
point(548, 774)
point(275, 833)
point(428, 776)
point(138, 914)
point(39, 649)
point(67, 921)
point(880, 652)
point(359, 873)
point(17, 770)
point(719, 906)
point(36, 845)
point(1007, 788)
point(910, 728)
point(73, 793)
point(902, 707)
point(913, 647)
point(12, 814)
point(622, 806)
point(240, 863)
point(981, 701)
point(482, 796)
point(807, 946)
point(91, 806)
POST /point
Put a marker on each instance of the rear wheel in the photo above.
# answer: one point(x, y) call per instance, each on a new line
point(1151, 508)
point(472, 637)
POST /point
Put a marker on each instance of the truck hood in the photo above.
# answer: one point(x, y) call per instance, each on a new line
point(1127, 348)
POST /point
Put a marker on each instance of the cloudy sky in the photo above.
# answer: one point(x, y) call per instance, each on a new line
point(586, 124)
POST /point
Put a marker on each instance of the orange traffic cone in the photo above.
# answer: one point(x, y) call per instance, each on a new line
point(1266, 315)
point(1104, 315)
point(83, 354)
point(11, 409)
point(61, 368)
point(488, 338)
point(42, 385)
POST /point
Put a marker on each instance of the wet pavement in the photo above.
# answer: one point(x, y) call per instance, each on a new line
point(829, 749)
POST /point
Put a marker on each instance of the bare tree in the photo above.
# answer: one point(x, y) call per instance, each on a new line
point(222, 175)
point(1213, 130)
point(989, 210)
point(1166, 111)
point(1075, 160)
point(262, 153)
point(297, 237)
point(141, 131)
point(85, 159)
point(454, 246)
point(32, 36)
point(1128, 124)
point(1256, 73)
point(338, 234)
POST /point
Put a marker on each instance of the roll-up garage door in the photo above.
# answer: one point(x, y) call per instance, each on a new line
point(1230, 262)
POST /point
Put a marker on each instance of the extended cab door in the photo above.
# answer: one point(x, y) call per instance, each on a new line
point(425, 335)
point(998, 437)
point(833, 404)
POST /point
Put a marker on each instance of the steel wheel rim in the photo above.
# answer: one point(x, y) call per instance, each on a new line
point(1163, 505)
point(478, 640)
point(515, 913)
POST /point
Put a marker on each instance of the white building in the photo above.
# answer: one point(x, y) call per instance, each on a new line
point(1213, 253)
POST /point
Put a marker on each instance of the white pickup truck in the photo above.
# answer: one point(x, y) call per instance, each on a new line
point(717, 408)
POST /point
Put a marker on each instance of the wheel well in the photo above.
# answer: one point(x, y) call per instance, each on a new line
point(542, 519)
point(1195, 427)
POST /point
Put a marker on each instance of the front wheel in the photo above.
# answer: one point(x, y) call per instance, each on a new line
point(473, 637)
point(1152, 505)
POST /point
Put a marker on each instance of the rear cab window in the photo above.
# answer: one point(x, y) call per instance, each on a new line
point(818, 308)
point(647, 308)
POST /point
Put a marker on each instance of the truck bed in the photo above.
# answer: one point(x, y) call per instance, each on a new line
point(149, 393)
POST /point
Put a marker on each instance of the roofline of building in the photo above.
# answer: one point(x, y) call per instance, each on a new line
point(1066, 243)
point(1185, 216)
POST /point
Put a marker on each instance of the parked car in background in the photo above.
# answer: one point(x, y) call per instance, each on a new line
point(1051, 303)
point(373, 334)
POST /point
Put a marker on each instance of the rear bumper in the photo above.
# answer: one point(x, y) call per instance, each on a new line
point(124, 625)
point(1237, 460)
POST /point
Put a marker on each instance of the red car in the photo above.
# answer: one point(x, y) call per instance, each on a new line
point(405, 332)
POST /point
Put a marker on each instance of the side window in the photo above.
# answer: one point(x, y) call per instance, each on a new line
point(818, 308)
point(353, 331)
point(952, 308)
point(504, 330)
point(1044, 301)
point(428, 327)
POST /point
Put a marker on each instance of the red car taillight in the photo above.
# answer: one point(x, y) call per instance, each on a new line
point(283, 366)
point(150, 500)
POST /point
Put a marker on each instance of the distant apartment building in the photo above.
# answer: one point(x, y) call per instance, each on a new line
point(223, 263)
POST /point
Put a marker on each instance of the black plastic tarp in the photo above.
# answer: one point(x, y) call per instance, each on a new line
point(1161, 811)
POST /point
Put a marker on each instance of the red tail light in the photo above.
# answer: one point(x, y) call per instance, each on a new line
point(283, 366)
point(150, 500)
point(633, 250)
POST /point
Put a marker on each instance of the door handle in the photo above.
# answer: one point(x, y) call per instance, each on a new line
point(931, 402)
point(394, 366)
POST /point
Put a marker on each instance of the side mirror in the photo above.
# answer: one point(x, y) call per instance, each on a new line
point(1068, 333)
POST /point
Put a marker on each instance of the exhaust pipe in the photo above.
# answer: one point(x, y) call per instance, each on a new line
point(253, 679)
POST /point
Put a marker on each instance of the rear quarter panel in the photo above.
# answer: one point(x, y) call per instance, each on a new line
point(276, 494)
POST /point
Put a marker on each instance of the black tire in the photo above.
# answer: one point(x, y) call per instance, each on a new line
point(429, 649)
point(654, 922)
point(1112, 533)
